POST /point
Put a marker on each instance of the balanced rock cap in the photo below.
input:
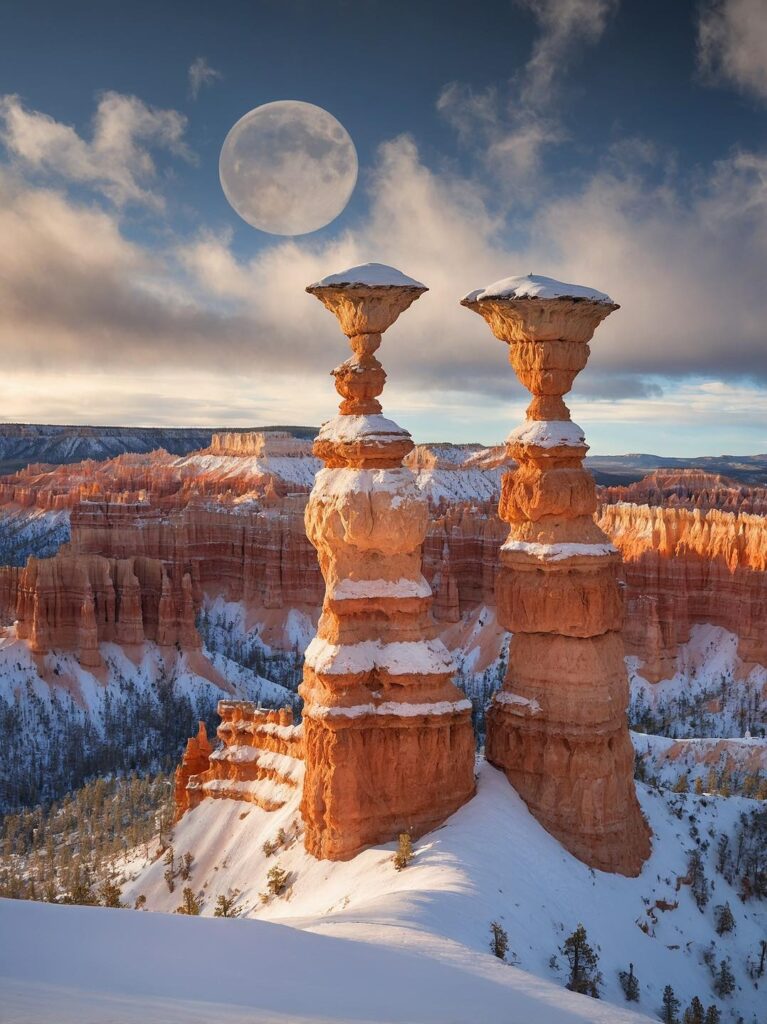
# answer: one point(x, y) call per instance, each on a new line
point(535, 286)
point(369, 275)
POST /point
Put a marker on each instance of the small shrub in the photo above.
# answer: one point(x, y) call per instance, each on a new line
point(140, 902)
point(405, 851)
point(499, 940)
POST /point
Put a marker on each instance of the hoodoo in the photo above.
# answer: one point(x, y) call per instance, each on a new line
point(388, 740)
point(558, 727)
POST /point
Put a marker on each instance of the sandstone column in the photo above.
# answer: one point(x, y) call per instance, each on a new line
point(558, 727)
point(389, 744)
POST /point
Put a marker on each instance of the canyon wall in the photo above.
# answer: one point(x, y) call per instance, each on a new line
point(684, 566)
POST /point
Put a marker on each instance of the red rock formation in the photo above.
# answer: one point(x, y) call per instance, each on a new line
point(684, 567)
point(195, 761)
point(274, 443)
point(73, 602)
point(558, 727)
point(388, 737)
point(260, 760)
point(690, 488)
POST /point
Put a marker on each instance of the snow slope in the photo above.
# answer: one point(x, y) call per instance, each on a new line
point(82, 965)
point(490, 861)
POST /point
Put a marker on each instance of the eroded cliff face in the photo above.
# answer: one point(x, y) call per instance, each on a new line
point(259, 761)
point(685, 566)
point(73, 602)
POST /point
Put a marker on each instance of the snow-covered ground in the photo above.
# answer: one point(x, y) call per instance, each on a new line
point(712, 693)
point(491, 861)
point(63, 723)
point(82, 965)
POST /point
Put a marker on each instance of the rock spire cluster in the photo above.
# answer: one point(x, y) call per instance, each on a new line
point(388, 740)
point(558, 726)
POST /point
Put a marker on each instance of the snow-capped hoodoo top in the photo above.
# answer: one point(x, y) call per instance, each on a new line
point(370, 275)
point(535, 286)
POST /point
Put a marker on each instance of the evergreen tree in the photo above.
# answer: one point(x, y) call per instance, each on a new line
point(499, 940)
point(670, 1006)
point(695, 1013)
point(225, 906)
point(585, 976)
point(725, 922)
point(277, 879)
point(724, 982)
point(109, 895)
point(629, 984)
point(713, 1016)
point(191, 904)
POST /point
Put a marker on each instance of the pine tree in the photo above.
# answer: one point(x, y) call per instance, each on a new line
point(670, 1006)
point(699, 786)
point(191, 904)
point(695, 1013)
point(724, 982)
point(225, 907)
point(713, 1016)
point(585, 976)
point(725, 922)
point(109, 895)
point(277, 879)
point(499, 940)
point(629, 984)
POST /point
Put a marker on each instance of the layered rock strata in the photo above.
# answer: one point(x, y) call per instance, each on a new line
point(558, 726)
point(685, 567)
point(195, 761)
point(260, 760)
point(74, 602)
point(388, 738)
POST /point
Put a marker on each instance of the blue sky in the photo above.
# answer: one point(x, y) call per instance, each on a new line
point(617, 143)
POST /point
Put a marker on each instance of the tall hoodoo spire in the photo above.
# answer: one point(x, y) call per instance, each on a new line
point(389, 744)
point(558, 727)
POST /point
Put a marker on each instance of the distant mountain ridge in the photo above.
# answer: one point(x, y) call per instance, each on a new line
point(24, 443)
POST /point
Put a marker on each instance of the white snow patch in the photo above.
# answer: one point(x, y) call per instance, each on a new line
point(360, 428)
point(514, 699)
point(374, 275)
point(423, 657)
point(350, 590)
point(337, 483)
point(549, 434)
point(390, 707)
point(556, 552)
point(535, 286)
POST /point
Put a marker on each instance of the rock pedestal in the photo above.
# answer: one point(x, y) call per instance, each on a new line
point(558, 726)
point(388, 740)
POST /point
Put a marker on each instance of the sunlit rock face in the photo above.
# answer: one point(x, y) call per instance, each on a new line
point(73, 602)
point(558, 726)
point(388, 739)
point(684, 567)
point(259, 759)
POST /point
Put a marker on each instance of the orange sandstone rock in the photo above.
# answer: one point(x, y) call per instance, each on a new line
point(558, 727)
point(388, 739)
point(260, 759)
point(194, 762)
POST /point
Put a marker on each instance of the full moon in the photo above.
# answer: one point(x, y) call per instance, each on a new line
point(288, 167)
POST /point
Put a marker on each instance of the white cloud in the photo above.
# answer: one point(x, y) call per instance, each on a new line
point(732, 43)
point(117, 160)
point(512, 131)
point(201, 74)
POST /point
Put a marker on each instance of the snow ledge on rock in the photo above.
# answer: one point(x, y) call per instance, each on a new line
point(372, 275)
point(536, 286)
